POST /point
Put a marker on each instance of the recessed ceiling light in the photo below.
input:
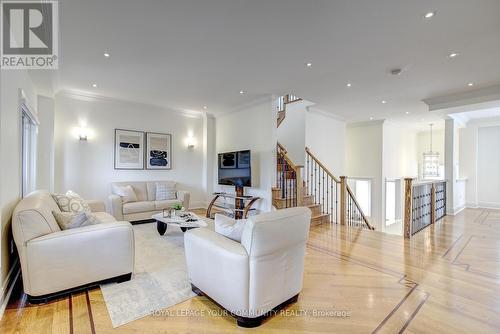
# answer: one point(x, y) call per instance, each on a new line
point(349, 84)
point(106, 54)
point(242, 92)
point(371, 118)
point(205, 107)
point(309, 65)
point(94, 85)
point(470, 84)
point(384, 101)
point(407, 112)
point(429, 15)
point(453, 55)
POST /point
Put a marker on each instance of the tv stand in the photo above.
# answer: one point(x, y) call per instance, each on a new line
point(239, 210)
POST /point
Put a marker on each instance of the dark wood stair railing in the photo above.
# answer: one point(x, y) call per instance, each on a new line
point(288, 179)
point(325, 188)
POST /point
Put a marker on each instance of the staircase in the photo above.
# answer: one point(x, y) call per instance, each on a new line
point(281, 104)
point(330, 198)
point(290, 190)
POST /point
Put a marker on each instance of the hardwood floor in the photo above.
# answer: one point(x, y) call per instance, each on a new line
point(446, 279)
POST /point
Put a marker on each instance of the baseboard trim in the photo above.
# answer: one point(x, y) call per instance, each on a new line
point(8, 286)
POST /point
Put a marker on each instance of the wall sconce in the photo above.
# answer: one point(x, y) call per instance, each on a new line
point(191, 142)
point(83, 134)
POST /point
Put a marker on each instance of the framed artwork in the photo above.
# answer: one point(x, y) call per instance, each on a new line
point(129, 149)
point(227, 160)
point(158, 151)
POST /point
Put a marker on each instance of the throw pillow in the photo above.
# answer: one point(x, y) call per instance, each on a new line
point(68, 220)
point(229, 227)
point(71, 202)
point(127, 193)
point(163, 192)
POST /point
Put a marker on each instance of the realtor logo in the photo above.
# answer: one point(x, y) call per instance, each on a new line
point(29, 36)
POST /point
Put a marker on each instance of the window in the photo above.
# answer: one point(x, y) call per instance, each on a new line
point(362, 189)
point(29, 130)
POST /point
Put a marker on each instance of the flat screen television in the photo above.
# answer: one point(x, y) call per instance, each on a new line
point(235, 169)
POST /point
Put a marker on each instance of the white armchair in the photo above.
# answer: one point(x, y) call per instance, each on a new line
point(260, 274)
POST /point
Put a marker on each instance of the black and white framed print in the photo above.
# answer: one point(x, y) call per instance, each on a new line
point(129, 149)
point(158, 150)
point(244, 159)
point(227, 160)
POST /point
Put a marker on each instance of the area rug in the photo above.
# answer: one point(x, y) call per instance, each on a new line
point(160, 279)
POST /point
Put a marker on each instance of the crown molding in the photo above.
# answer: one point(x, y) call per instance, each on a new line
point(255, 102)
point(326, 114)
point(90, 97)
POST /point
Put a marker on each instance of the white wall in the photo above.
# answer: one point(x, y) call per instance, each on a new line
point(400, 151)
point(10, 154)
point(472, 167)
point(292, 131)
point(488, 167)
point(87, 166)
point(364, 152)
point(252, 128)
point(326, 138)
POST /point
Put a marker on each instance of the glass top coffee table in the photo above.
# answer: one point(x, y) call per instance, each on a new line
point(184, 220)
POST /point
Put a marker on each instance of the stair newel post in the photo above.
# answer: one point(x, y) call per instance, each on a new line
point(343, 200)
point(407, 207)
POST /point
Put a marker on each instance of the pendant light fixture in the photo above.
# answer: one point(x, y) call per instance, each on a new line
point(431, 160)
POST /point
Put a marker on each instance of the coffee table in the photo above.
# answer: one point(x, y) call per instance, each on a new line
point(163, 222)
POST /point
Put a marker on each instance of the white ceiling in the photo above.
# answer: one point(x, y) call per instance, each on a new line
point(184, 54)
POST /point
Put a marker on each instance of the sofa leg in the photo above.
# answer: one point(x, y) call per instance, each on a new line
point(196, 290)
point(249, 322)
point(124, 278)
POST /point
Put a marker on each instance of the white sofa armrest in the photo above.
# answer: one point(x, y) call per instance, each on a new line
point(96, 205)
point(219, 267)
point(116, 206)
point(70, 258)
point(184, 196)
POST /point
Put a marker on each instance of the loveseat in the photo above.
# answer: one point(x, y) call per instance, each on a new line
point(54, 261)
point(145, 204)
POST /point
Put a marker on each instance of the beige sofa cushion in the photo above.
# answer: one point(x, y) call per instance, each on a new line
point(160, 205)
point(139, 189)
point(134, 207)
point(127, 193)
point(151, 187)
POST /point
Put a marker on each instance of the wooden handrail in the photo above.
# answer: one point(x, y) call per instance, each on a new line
point(287, 158)
point(282, 148)
point(321, 165)
point(359, 207)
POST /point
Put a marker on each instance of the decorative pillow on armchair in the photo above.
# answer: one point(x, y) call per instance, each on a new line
point(127, 193)
point(68, 220)
point(164, 192)
point(71, 202)
point(229, 227)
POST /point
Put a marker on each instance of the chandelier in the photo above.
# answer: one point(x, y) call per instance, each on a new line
point(431, 161)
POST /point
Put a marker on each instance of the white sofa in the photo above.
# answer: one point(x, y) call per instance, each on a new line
point(146, 204)
point(54, 261)
point(260, 274)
